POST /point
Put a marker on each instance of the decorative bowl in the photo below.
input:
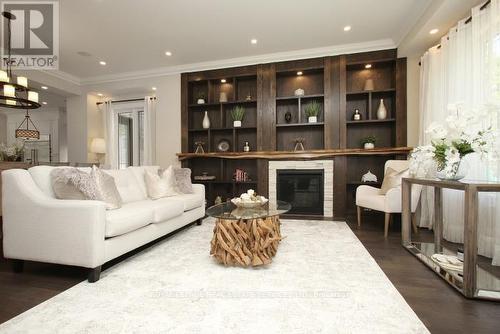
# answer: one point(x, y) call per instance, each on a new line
point(249, 204)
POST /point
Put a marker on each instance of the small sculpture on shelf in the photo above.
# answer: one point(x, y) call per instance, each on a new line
point(224, 145)
point(204, 177)
point(248, 97)
point(222, 97)
point(299, 92)
point(206, 121)
point(246, 147)
point(368, 142)
point(288, 117)
point(356, 116)
point(369, 177)
point(299, 144)
point(199, 147)
point(237, 114)
point(218, 200)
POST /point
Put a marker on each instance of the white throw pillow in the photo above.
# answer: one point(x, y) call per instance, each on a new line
point(161, 186)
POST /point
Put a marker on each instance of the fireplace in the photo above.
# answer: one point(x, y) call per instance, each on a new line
point(303, 188)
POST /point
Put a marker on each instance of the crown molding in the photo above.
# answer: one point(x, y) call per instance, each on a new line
point(333, 50)
point(63, 76)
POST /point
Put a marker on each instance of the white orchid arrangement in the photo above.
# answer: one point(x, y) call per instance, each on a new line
point(463, 133)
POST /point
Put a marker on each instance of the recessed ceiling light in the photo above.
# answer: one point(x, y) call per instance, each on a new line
point(45, 87)
point(368, 66)
point(44, 103)
point(253, 41)
point(434, 31)
point(299, 73)
point(223, 80)
point(168, 53)
point(153, 88)
point(347, 28)
point(102, 62)
point(99, 94)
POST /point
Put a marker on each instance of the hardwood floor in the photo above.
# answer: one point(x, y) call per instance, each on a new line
point(440, 308)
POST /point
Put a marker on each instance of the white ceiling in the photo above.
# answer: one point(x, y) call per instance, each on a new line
point(133, 35)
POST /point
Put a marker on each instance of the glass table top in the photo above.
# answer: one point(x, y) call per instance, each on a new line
point(228, 210)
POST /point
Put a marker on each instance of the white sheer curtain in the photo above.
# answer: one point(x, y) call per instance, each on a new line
point(150, 103)
point(464, 69)
point(110, 135)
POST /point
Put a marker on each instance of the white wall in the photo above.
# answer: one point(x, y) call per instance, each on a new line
point(3, 128)
point(76, 113)
point(168, 112)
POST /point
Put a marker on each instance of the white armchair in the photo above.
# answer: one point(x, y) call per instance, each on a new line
point(369, 197)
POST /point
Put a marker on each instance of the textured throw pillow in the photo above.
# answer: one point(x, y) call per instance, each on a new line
point(392, 179)
point(71, 183)
point(161, 186)
point(106, 187)
point(183, 180)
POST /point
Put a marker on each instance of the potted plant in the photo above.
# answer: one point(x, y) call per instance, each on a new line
point(312, 111)
point(237, 114)
point(368, 142)
point(201, 98)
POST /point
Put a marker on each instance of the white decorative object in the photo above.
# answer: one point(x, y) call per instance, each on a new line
point(312, 119)
point(381, 111)
point(369, 146)
point(299, 92)
point(4, 77)
point(33, 96)
point(237, 124)
point(9, 90)
point(222, 97)
point(206, 121)
point(463, 133)
point(249, 200)
point(369, 177)
point(22, 81)
point(201, 101)
point(369, 85)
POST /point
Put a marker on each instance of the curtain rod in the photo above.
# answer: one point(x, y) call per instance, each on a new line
point(129, 100)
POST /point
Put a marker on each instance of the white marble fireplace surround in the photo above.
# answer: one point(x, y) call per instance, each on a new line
point(325, 165)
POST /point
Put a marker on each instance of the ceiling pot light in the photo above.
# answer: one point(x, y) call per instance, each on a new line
point(347, 28)
point(368, 66)
point(153, 88)
point(102, 63)
point(44, 103)
point(100, 94)
point(434, 31)
point(253, 41)
point(44, 87)
point(168, 53)
point(299, 73)
point(223, 80)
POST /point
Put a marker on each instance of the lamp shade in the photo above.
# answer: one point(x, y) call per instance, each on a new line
point(98, 145)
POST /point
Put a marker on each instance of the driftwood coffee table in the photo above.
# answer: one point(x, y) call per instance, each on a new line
point(246, 237)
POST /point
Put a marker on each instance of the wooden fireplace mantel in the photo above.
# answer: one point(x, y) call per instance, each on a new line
point(285, 155)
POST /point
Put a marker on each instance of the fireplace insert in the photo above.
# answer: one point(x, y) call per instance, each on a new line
point(303, 188)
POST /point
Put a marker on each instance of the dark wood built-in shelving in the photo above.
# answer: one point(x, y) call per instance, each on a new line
point(337, 83)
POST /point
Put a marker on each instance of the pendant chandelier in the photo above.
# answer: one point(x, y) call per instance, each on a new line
point(24, 131)
point(14, 93)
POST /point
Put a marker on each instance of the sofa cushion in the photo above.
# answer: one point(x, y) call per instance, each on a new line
point(166, 208)
point(139, 172)
point(127, 185)
point(190, 201)
point(128, 218)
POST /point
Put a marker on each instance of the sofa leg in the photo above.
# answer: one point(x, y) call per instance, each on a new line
point(359, 216)
point(18, 266)
point(198, 222)
point(94, 274)
point(386, 226)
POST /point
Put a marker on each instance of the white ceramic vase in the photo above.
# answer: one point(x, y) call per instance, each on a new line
point(381, 111)
point(237, 124)
point(201, 101)
point(206, 121)
point(312, 119)
point(369, 146)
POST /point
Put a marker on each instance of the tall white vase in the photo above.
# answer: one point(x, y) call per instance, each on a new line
point(206, 121)
point(381, 111)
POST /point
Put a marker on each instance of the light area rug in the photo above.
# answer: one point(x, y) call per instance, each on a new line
point(321, 281)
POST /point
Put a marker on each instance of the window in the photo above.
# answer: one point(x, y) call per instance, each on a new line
point(130, 120)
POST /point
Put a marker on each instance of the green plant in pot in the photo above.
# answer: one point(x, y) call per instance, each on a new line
point(201, 98)
point(369, 142)
point(312, 111)
point(237, 114)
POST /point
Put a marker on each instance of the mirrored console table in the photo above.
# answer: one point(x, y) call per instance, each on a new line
point(466, 279)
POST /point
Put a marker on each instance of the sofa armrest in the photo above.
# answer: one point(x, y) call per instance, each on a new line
point(199, 189)
point(39, 228)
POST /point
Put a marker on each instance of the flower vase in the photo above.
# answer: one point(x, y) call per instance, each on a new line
point(453, 171)
point(206, 121)
point(381, 111)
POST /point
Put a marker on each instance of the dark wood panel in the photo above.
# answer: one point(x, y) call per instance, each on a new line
point(332, 102)
point(184, 113)
point(300, 65)
point(222, 73)
point(266, 107)
point(401, 107)
point(342, 109)
point(339, 187)
point(263, 177)
point(360, 58)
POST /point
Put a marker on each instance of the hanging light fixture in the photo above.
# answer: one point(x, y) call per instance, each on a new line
point(26, 132)
point(15, 93)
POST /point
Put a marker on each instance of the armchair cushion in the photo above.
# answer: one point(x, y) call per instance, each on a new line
point(369, 197)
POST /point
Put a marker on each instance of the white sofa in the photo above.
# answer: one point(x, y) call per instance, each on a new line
point(39, 227)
